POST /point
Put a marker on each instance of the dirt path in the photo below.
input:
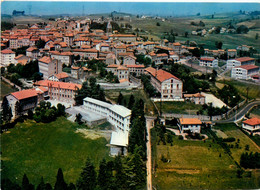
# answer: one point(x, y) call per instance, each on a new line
point(149, 125)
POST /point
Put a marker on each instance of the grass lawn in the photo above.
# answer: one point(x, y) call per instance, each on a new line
point(196, 165)
point(255, 112)
point(39, 149)
point(138, 94)
point(253, 89)
point(232, 131)
point(6, 89)
point(179, 107)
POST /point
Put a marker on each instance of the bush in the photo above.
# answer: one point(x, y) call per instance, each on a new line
point(229, 139)
point(180, 137)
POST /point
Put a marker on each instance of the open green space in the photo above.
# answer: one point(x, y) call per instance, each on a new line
point(39, 149)
point(112, 95)
point(242, 140)
point(6, 89)
point(253, 89)
point(197, 165)
point(178, 107)
point(255, 112)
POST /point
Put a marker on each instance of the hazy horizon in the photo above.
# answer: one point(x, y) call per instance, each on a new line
point(142, 8)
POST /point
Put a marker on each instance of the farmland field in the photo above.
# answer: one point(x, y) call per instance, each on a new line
point(197, 165)
point(39, 149)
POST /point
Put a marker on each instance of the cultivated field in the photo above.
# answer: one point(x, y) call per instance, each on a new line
point(39, 149)
point(197, 165)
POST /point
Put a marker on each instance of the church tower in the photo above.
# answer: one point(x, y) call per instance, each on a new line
point(109, 28)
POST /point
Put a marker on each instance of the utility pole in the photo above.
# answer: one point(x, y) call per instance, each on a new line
point(247, 94)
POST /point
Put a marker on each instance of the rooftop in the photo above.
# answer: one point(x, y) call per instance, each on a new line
point(253, 121)
point(188, 121)
point(161, 75)
point(24, 94)
point(243, 59)
point(62, 85)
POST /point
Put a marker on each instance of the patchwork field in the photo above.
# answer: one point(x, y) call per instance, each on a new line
point(199, 165)
point(39, 149)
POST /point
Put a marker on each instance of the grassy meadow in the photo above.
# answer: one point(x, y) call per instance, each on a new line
point(6, 89)
point(201, 165)
point(39, 149)
point(179, 107)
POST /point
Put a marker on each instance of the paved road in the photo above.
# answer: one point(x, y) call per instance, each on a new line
point(241, 113)
point(149, 125)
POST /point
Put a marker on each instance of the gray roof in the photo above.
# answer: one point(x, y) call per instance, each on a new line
point(98, 102)
point(121, 110)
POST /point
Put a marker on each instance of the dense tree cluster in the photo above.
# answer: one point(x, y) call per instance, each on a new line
point(46, 113)
point(20, 50)
point(212, 111)
point(40, 43)
point(6, 26)
point(148, 87)
point(191, 85)
point(142, 59)
point(28, 71)
point(250, 160)
point(90, 89)
point(229, 95)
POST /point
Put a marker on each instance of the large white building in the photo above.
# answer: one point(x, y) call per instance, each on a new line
point(118, 116)
point(252, 126)
point(244, 72)
point(49, 66)
point(240, 61)
point(208, 62)
point(167, 84)
point(7, 57)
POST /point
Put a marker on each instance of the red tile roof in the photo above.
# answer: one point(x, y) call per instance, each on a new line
point(62, 75)
point(243, 59)
point(135, 66)
point(7, 51)
point(161, 75)
point(253, 121)
point(20, 95)
point(62, 85)
point(189, 121)
point(45, 59)
point(206, 59)
point(112, 66)
point(248, 67)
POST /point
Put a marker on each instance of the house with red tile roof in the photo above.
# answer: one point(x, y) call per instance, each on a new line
point(129, 60)
point(189, 125)
point(164, 82)
point(120, 71)
point(136, 70)
point(32, 52)
point(21, 59)
point(22, 101)
point(60, 77)
point(252, 126)
point(240, 61)
point(7, 57)
point(208, 62)
point(60, 91)
point(63, 57)
point(49, 66)
point(197, 98)
point(244, 72)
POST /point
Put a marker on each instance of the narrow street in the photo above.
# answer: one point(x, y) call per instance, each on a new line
point(149, 125)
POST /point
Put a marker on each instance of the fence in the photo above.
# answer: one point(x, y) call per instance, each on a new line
point(10, 83)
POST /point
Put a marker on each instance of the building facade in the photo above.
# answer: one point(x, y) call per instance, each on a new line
point(244, 72)
point(7, 57)
point(49, 66)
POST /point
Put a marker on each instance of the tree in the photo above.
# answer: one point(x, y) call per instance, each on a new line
point(60, 110)
point(218, 44)
point(131, 102)
point(120, 99)
point(256, 36)
point(78, 118)
point(41, 185)
point(7, 184)
point(242, 29)
point(105, 175)
point(60, 183)
point(87, 179)
point(158, 24)
point(40, 43)
point(7, 111)
point(186, 34)
point(169, 138)
point(71, 186)
point(120, 174)
point(26, 184)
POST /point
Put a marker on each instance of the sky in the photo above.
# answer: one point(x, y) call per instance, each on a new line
point(142, 8)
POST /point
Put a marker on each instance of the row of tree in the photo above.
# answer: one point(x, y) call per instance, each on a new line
point(148, 87)
point(250, 160)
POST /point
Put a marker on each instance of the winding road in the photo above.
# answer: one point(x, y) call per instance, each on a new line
point(241, 113)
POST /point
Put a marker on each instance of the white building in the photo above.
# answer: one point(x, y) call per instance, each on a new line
point(208, 62)
point(244, 72)
point(118, 116)
point(252, 126)
point(189, 124)
point(63, 57)
point(7, 57)
point(49, 67)
point(167, 84)
point(240, 61)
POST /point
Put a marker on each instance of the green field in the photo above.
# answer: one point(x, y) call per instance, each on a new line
point(253, 89)
point(197, 165)
point(255, 112)
point(232, 131)
point(178, 107)
point(6, 89)
point(39, 149)
point(112, 95)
